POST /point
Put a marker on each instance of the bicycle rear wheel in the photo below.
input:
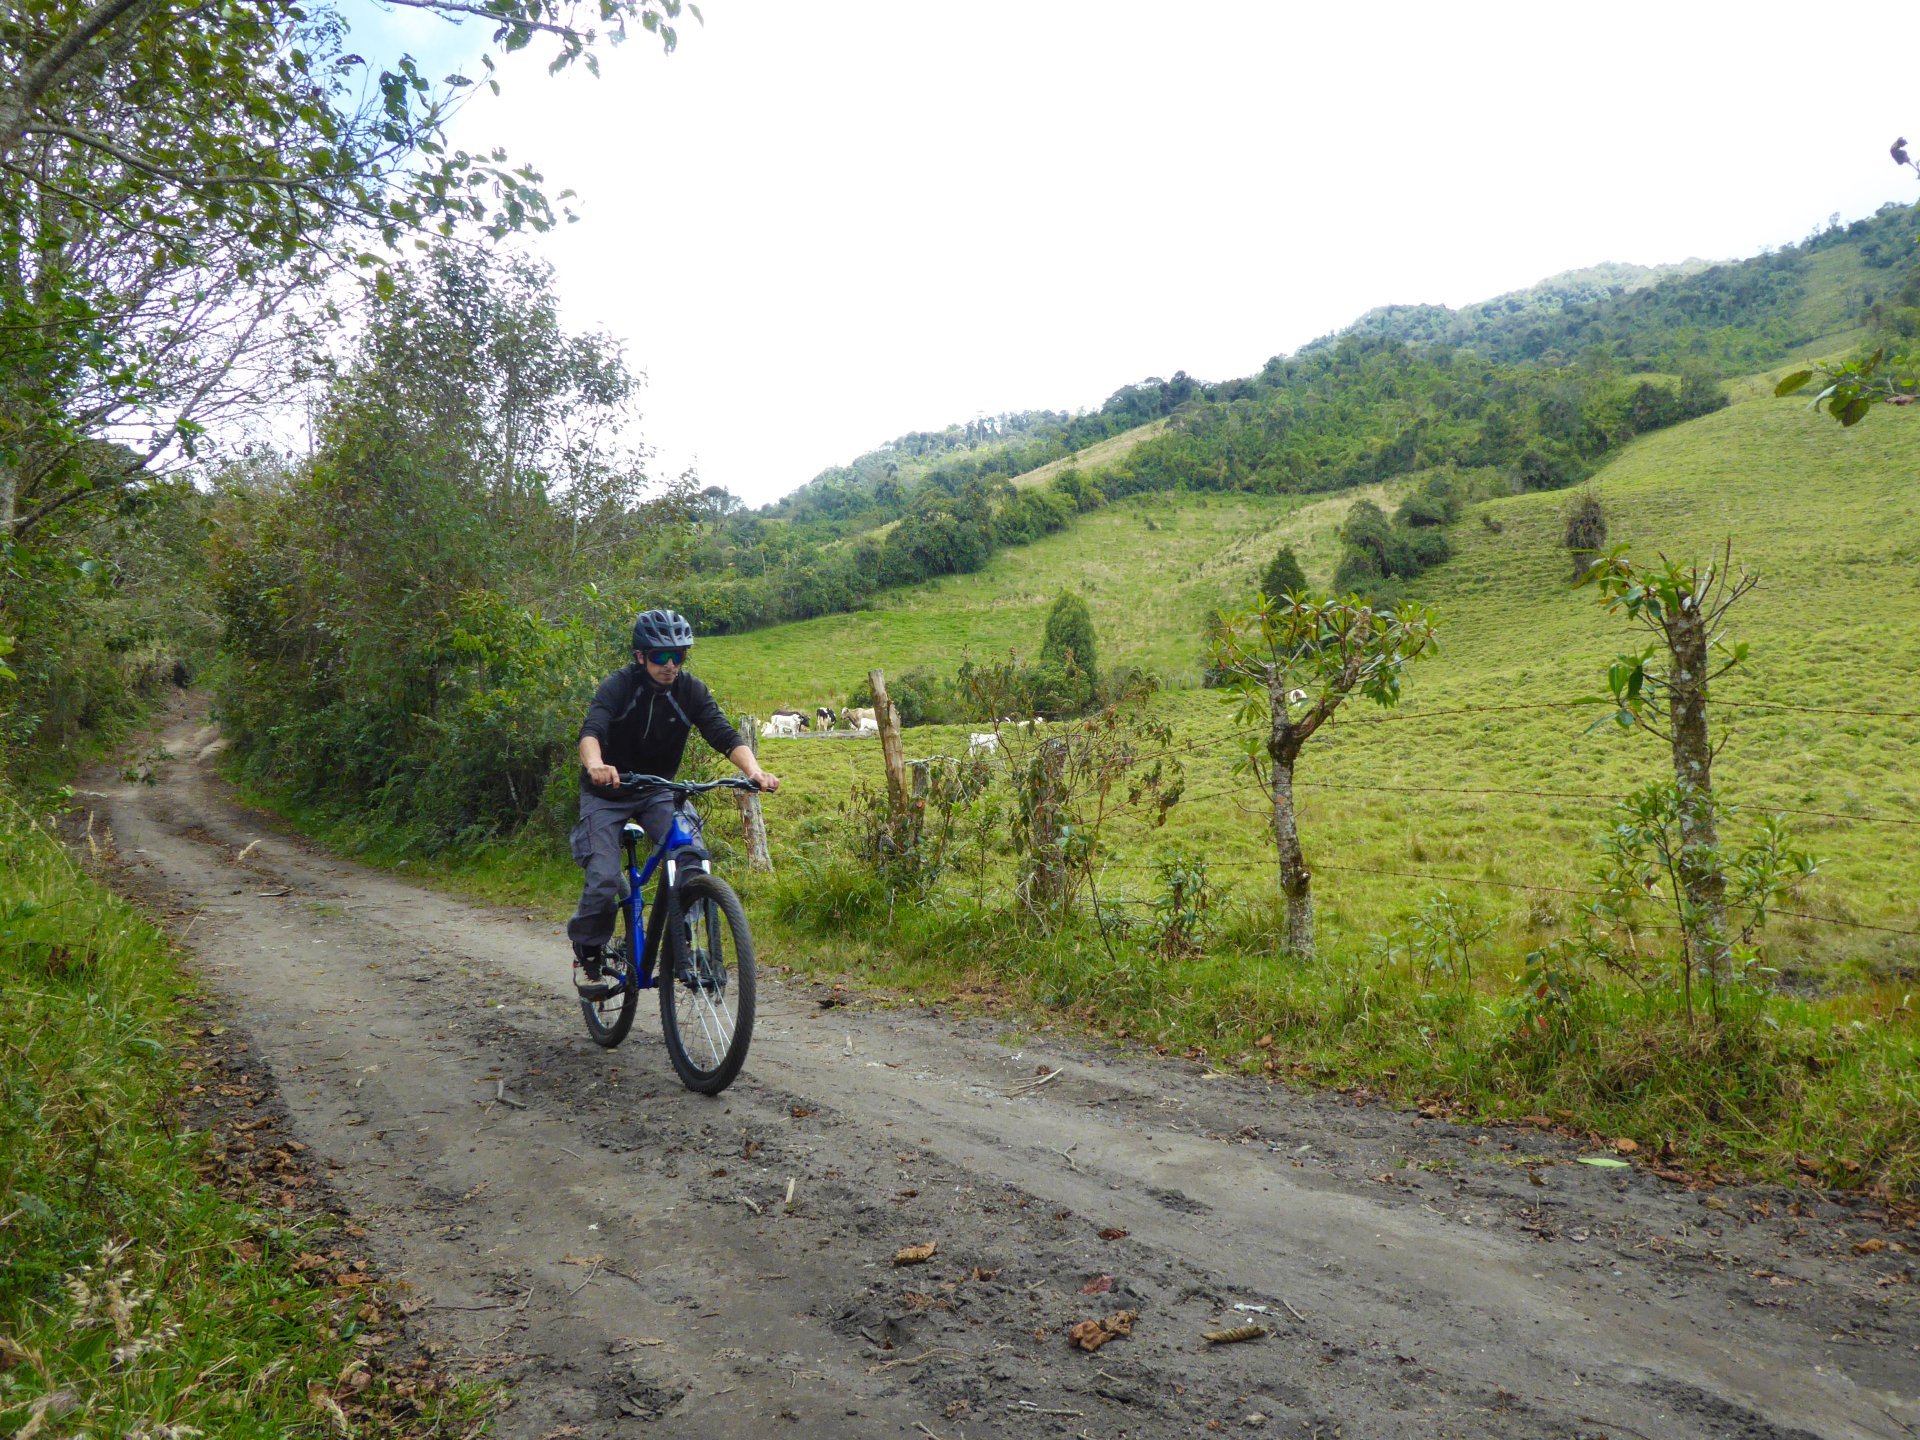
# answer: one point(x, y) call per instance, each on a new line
point(610, 1012)
point(707, 985)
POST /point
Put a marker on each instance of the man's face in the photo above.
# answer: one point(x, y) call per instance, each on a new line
point(663, 666)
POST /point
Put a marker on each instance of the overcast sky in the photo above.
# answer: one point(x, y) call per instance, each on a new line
point(816, 227)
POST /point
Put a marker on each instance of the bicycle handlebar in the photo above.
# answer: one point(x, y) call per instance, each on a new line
point(633, 780)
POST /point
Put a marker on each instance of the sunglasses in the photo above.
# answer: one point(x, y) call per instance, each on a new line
point(667, 657)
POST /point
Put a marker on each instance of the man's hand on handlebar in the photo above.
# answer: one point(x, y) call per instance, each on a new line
point(605, 776)
point(765, 781)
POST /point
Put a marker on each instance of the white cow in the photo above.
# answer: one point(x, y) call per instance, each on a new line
point(787, 726)
point(982, 742)
point(855, 717)
point(866, 725)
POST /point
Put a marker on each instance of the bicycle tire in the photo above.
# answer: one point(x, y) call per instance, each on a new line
point(706, 993)
point(610, 1017)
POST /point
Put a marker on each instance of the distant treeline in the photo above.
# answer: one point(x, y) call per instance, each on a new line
point(1360, 411)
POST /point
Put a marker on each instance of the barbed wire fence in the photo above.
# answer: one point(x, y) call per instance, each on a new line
point(1249, 789)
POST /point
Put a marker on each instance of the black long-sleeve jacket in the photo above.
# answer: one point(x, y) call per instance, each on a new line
point(643, 726)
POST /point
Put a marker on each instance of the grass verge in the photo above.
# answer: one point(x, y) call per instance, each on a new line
point(1824, 1088)
point(159, 1279)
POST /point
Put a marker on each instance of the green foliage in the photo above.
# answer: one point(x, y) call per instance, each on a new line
point(415, 620)
point(1851, 388)
point(1380, 552)
point(108, 616)
point(1665, 599)
point(1068, 648)
point(183, 194)
point(1441, 937)
point(1283, 574)
point(1183, 908)
point(1644, 869)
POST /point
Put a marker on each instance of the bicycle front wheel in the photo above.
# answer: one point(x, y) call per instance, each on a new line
point(609, 1009)
point(707, 988)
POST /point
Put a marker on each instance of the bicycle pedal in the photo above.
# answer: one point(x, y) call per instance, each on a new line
point(598, 989)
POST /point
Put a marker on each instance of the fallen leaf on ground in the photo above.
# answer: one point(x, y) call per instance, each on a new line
point(1090, 1335)
point(1101, 1284)
point(1605, 1161)
point(1235, 1335)
point(1870, 1247)
point(916, 1254)
point(1113, 1232)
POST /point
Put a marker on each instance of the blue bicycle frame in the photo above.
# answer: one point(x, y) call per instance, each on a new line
point(680, 850)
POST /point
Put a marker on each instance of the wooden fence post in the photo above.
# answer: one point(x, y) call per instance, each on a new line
point(1047, 882)
point(752, 823)
point(890, 748)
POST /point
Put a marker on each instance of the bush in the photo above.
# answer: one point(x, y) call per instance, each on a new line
point(1283, 575)
point(1068, 649)
point(1585, 534)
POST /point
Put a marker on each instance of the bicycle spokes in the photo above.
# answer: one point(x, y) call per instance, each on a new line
point(704, 1015)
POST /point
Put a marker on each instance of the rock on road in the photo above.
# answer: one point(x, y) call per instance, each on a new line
point(623, 1252)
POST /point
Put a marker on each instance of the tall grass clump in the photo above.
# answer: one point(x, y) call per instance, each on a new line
point(134, 1297)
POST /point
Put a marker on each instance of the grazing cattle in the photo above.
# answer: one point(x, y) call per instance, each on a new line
point(866, 725)
point(797, 716)
point(826, 717)
point(784, 724)
point(982, 743)
point(854, 718)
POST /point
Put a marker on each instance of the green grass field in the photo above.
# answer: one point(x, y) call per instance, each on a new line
point(1830, 519)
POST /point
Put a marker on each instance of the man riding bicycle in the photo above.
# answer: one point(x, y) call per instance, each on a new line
point(639, 721)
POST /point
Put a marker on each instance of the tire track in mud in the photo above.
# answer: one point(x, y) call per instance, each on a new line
point(623, 1252)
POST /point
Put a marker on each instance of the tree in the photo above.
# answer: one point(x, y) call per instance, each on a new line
point(1585, 533)
point(1292, 663)
point(413, 616)
point(173, 171)
point(1685, 607)
point(1068, 644)
point(1283, 575)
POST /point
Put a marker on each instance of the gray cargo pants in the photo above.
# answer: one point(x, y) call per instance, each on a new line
point(596, 849)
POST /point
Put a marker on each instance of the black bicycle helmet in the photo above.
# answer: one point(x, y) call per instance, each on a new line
point(662, 630)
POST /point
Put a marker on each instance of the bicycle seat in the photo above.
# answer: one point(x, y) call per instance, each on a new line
point(631, 830)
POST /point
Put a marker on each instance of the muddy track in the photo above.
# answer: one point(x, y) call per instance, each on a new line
point(625, 1255)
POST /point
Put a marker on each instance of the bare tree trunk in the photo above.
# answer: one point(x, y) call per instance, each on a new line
point(1700, 870)
point(1283, 748)
point(9, 488)
point(1296, 881)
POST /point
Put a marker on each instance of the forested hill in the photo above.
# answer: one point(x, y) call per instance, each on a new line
point(1734, 316)
point(1527, 391)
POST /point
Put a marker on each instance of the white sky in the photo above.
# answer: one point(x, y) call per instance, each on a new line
point(816, 227)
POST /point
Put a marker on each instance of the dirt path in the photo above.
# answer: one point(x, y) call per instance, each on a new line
point(622, 1252)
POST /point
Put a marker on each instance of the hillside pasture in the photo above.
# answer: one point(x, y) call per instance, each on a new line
point(1485, 779)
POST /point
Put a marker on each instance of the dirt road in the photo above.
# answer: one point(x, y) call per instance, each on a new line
point(623, 1252)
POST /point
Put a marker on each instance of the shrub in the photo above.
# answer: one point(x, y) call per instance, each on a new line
point(1068, 648)
point(1283, 575)
point(1585, 534)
